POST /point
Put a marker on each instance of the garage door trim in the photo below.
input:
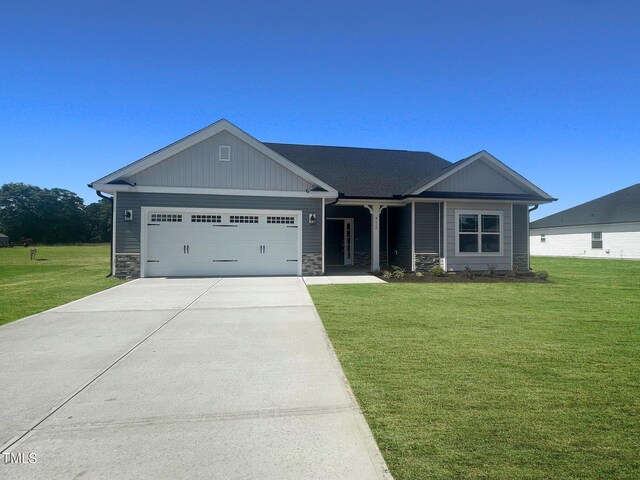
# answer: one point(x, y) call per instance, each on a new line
point(144, 212)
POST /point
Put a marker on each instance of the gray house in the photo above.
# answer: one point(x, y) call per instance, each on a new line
point(220, 202)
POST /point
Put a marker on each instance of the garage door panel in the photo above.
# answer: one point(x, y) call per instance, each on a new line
point(213, 243)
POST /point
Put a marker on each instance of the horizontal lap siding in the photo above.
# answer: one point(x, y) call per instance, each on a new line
point(621, 240)
point(502, 262)
point(128, 233)
point(427, 227)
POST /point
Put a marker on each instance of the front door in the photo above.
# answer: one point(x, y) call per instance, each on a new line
point(339, 241)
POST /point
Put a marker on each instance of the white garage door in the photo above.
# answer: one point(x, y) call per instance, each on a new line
point(221, 242)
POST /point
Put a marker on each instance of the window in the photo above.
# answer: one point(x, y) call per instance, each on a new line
point(543, 238)
point(224, 153)
point(479, 233)
point(596, 240)
point(165, 217)
point(206, 218)
point(243, 219)
point(285, 220)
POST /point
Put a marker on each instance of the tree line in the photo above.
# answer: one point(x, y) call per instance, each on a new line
point(52, 215)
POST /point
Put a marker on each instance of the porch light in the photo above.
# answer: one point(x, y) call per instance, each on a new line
point(312, 219)
point(128, 215)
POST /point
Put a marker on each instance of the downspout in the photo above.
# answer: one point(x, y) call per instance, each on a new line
point(102, 195)
point(535, 207)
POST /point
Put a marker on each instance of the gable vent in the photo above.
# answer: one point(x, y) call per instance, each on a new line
point(224, 153)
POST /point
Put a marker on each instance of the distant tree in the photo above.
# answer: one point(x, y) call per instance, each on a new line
point(18, 210)
point(99, 221)
point(45, 215)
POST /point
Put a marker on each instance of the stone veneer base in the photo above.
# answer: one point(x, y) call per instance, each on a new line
point(127, 265)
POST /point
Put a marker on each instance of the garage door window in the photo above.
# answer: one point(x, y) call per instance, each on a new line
point(285, 220)
point(165, 217)
point(243, 219)
point(206, 218)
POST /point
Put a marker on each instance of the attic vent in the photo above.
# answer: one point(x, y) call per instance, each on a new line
point(224, 153)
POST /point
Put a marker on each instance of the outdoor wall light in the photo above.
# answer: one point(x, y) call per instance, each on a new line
point(128, 215)
point(312, 219)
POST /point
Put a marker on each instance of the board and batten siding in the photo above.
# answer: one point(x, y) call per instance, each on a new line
point(478, 177)
point(622, 241)
point(128, 233)
point(478, 262)
point(200, 166)
point(400, 236)
point(427, 228)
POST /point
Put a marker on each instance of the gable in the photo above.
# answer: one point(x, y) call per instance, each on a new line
point(199, 166)
point(480, 176)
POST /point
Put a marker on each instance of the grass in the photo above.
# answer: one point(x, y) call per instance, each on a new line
point(498, 381)
point(59, 275)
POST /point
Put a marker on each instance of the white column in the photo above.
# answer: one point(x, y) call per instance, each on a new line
point(375, 210)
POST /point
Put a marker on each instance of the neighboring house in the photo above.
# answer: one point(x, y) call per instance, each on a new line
point(219, 202)
point(607, 227)
point(4, 240)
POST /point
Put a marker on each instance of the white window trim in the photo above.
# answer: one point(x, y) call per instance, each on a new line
point(458, 253)
point(601, 240)
point(220, 148)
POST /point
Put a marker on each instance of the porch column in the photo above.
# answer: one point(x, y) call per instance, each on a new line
point(375, 209)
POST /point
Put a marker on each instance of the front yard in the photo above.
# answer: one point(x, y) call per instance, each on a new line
point(505, 380)
point(59, 275)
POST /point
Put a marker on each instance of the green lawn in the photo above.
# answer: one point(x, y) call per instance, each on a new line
point(502, 380)
point(59, 275)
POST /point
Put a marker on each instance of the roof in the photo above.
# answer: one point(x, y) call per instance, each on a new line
point(2, 235)
point(364, 172)
point(622, 206)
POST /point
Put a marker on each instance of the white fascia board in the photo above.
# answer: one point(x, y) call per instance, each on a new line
point(200, 136)
point(111, 188)
point(357, 202)
point(479, 200)
point(486, 155)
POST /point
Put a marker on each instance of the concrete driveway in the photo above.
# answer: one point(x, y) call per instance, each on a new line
point(228, 378)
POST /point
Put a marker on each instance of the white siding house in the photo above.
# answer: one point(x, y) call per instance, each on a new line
point(621, 241)
point(607, 227)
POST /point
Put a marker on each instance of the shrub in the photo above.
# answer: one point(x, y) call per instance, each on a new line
point(398, 272)
point(387, 274)
point(515, 271)
point(491, 270)
point(438, 271)
point(419, 274)
point(467, 272)
point(542, 274)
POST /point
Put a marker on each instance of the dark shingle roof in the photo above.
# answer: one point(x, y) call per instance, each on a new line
point(617, 207)
point(364, 172)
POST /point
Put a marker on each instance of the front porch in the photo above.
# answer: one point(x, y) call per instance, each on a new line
point(358, 238)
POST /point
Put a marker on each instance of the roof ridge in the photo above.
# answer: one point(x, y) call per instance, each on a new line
point(354, 148)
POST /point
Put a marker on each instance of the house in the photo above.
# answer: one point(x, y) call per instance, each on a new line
point(4, 240)
point(607, 227)
point(220, 202)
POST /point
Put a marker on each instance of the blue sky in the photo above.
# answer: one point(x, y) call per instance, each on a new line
point(552, 88)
